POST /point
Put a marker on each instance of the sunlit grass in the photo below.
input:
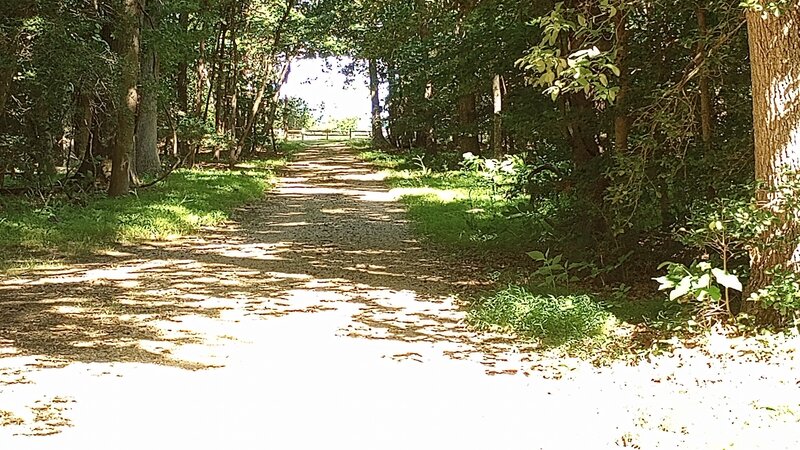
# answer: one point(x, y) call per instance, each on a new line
point(551, 319)
point(182, 204)
point(455, 208)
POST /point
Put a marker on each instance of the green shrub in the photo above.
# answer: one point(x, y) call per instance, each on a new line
point(555, 320)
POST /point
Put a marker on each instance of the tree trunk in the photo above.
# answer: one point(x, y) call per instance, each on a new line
point(497, 120)
point(220, 75)
point(127, 43)
point(622, 119)
point(83, 134)
point(8, 63)
point(706, 112)
point(273, 110)
point(147, 159)
point(467, 139)
point(425, 135)
point(378, 138)
point(182, 86)
point(774, 52)
point(232, 112)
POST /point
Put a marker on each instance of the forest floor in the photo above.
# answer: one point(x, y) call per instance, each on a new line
point(315, 319)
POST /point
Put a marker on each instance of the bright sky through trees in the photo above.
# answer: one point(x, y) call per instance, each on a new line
point(319, 80)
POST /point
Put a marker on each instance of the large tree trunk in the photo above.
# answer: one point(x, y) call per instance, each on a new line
point(378, 138)
point(774, 53)
point(127, 43)
point(147, 159)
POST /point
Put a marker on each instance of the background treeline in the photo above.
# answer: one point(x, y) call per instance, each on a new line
point(657, 120)
point(116, 87)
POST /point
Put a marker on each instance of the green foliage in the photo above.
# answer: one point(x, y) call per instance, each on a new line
point(588, 69)
point(500, 176)
point(782, 294)
point(701, 283)
point(295, 114)
point(346, 125)
point(553, 319)
point(188, 200)
point(556, 270)
point(774, 8)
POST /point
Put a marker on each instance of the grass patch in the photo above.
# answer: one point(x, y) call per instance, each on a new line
point(458, 209)
point(185, 202)
point(552, 319)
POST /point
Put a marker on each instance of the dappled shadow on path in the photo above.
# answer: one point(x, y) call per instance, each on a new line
point(330, 239)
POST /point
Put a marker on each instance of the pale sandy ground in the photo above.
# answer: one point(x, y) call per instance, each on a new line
point(316, 321)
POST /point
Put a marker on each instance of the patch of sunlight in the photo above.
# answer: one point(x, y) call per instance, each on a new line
point(92, 276)
point(67, 309)
point(442, 196)
point(336, 211)
point(8, 351)
point(294, 180)
point(206, 280)
point(294, 224)
point(380, 176)
point(307, 297)
point(114, 253)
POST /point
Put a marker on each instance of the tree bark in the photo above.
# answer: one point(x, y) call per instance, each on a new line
point(83, 126)
point(467, 139)
point(232, 113)
point(8, 63)
point(378, 138)
point(497, 120)
point(425, 135)
point(182, 86)
point(127, 44)
point(622, 119)
point(706, 111)
point(147, 158)
point(774, 52)
point(276, 97)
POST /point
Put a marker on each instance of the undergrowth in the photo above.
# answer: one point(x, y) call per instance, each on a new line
point(552, 319)
point(574, 305)
point(458, 209)
point(186, 201)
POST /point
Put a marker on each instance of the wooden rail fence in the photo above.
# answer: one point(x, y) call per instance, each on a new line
point(327, 135)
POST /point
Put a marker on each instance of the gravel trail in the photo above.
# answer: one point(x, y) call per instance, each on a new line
point(316, 320)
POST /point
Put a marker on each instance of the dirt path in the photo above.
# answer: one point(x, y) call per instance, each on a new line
point(315, 320)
